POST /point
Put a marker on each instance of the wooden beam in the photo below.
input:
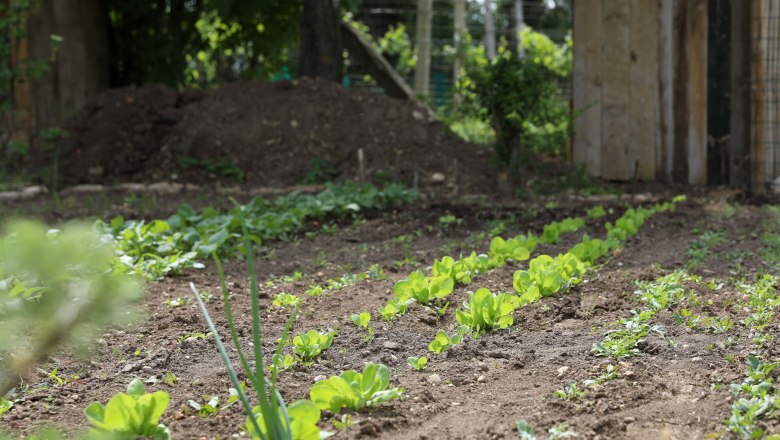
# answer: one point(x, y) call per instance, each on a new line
point(739, 139)
point(587, 86)
point(422, 70)
point(696, 30)
point(615, 72)
point(758, 176)
point(643, 98)
point(375, 64)
point(665, 138)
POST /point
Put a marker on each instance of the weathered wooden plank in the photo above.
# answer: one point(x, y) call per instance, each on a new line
point(665, 138)
point(615, 72)
point(587, 86)
point(739, 138)
point(643, 97)
point(696, 30)
point(757, 114)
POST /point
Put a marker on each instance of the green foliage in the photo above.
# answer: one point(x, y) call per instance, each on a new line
point(756, 399)
point(57, 287)
point(552, 231)
point(271, 418)
point(547, 275)
point(443, 341)
point(395, 307)
point(417, 362)
point(211, 406)
point(196, 44)
point(569, 392)
point(596, 212)
point(130, 415)
point(590, 250)
point(311, 344)
point(284, 299)
point(353, 390)
point(486, 311)
point(657, 295)
point(701, 248)
point(161, 248)
point(515, 249)
point(423, 289)
point(361, 320)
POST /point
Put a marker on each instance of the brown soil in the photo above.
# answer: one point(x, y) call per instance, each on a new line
point(266, 134)
point(488, 384)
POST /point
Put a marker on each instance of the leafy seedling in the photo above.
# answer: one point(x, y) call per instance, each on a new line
point(311, 344)
point(418, 363)
point(130, 415)
point(486, 311)
point(355, 391)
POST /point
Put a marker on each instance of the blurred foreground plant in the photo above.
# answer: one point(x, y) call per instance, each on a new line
point(57, 287)
point(271, 419)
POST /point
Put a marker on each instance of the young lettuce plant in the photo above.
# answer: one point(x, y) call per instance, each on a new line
point(363, 320)
point(443, 341)
point(353, 390)
point(417, 362)
point(424, 289)
point(515, 249)
point(485, 311)
point(134, 414)
point(311, 344)
point(271, 419)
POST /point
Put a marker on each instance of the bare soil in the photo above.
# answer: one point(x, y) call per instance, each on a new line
point(267, 134)
point(487, 384)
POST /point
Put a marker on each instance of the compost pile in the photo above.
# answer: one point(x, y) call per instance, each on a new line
point(266, 134)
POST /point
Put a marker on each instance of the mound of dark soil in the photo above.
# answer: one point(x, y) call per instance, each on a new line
point(267, 134)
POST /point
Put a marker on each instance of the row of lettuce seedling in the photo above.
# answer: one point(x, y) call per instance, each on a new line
point(545, 276)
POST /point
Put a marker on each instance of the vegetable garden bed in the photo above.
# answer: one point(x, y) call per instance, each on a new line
point(638, 336)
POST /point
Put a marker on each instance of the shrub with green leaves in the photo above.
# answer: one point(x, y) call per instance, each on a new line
point(311, 344)
point(353, 390)
point(424, 289)
point(58, 288)
point(486, 311)
point(130, 415)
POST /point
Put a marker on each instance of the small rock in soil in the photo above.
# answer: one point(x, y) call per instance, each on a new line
point(391, 345)
point(562, 371)
point(320, 377)
point(435, 379)
point(481, 379)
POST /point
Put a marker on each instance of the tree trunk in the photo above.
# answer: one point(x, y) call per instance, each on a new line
point(422, 71)
point(519, 28)
point(459, 24)
point(321, 40)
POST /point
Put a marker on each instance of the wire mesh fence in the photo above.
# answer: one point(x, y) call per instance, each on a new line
point(765, 94)
point(381, 15)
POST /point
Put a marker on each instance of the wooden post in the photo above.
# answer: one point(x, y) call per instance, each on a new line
point(666, 124)
point(422, 72)
point(739, 139)
point(757, 109)
point(615, 73)
point(587, 86)
point(696, 30)
point(643, 98)
point(490, 30)
point(459, 37)
point(519, 27)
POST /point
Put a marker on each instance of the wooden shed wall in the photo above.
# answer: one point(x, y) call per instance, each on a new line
point(640, 86)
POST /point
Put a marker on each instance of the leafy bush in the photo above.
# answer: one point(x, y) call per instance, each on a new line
point(57, 287)
point(486, 311)
point(130, 415)
point(353, 390)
